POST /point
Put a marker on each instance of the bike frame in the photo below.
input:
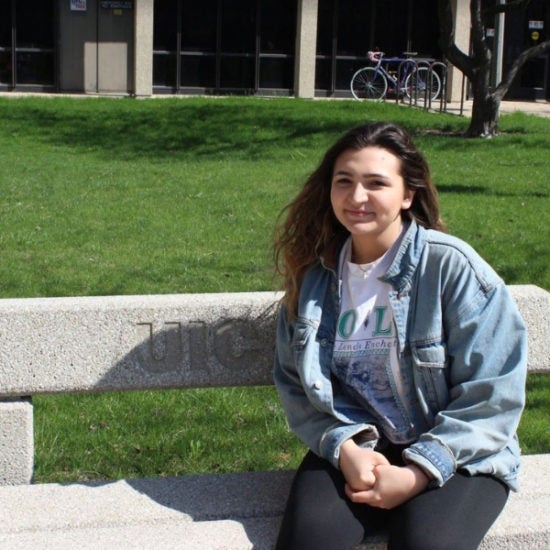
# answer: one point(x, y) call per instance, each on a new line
point(404, 68)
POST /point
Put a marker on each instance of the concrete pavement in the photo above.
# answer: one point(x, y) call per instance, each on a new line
point(539, 107)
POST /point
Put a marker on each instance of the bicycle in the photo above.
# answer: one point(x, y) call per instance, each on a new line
point(411, 79)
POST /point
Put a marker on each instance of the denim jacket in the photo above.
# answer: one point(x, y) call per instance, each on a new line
point(459, 332)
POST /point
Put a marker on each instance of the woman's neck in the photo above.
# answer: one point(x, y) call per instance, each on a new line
point(366, 249)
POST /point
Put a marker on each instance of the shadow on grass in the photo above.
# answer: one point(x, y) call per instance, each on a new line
point(468, 189)
point(191, 128)
point(462, 189)
point(166, 128)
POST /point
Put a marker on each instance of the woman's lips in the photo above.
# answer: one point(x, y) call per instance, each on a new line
point(359, 213)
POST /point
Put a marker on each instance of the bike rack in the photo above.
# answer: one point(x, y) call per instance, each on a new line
point(441, 69)
point(432, 65)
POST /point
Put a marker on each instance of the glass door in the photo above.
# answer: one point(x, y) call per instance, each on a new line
point(27, 52)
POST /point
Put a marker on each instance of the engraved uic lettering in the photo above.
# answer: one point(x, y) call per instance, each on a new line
point(236, 340)
point(198, 345)
point(161, 348)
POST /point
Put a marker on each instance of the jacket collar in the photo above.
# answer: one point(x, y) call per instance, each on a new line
point(407, 257)
point(404, 264)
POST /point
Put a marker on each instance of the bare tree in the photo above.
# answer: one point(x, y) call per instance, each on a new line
point(478, 64)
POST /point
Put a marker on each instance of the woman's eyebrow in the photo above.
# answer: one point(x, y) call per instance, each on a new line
point(366, 175)
point(342, 173)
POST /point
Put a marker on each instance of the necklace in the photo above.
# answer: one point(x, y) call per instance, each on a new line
point(366, 269)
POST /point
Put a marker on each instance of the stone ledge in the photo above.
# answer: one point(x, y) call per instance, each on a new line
point(534, 305)
point(230, 511)
point(117, 343)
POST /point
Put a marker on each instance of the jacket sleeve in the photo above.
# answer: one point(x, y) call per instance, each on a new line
point(487, 364)
point(313, 420)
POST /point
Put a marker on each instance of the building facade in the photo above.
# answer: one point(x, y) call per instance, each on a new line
point(303, 48)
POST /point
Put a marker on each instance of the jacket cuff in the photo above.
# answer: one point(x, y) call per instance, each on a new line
point(332, 439)
point(434, 457)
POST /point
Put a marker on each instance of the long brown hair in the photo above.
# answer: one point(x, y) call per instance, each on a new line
point(310, 229)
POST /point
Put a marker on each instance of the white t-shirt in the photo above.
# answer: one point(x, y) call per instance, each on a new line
point(365, 348)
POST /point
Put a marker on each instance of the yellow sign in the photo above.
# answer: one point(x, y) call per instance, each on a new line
point(535, 35)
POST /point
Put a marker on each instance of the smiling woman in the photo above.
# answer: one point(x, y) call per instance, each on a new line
point(383, 368)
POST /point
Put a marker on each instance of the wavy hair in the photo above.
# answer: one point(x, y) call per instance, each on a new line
point(309, 229)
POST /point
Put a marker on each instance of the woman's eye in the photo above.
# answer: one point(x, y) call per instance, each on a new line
point(342, 181)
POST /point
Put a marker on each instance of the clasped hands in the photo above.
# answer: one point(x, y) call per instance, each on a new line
point(372, 480)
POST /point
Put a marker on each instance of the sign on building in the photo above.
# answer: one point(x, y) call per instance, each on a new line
point(78, 5)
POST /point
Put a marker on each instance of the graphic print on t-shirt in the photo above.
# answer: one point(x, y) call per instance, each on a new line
point(362, 359)
point(365, 358)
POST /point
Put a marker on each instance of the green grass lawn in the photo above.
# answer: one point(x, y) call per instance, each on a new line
point(120, 196)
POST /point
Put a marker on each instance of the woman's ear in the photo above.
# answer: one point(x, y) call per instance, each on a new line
point(408, 198)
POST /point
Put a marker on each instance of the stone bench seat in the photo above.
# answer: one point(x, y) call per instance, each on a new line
point(223, 511)
point(123, 343)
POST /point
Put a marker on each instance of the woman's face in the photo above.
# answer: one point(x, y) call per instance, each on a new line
point(368, 194)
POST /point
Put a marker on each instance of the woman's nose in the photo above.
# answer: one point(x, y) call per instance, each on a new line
point(359, 193)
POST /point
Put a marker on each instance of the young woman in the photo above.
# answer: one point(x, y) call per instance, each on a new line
point(400, 360)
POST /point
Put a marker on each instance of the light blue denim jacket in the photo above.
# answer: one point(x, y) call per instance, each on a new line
point(459, 332)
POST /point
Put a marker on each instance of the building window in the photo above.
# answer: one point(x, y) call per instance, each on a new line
point(347, 29)
point(224, 46)
point(27, 51)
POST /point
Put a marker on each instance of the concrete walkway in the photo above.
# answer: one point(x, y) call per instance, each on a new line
point(539, 108)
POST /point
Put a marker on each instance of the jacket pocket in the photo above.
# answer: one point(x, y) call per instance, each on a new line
point(310, 348)
point(302, 332)
point(430, 374)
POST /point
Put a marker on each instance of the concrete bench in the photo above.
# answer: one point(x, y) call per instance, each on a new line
point(98, 344)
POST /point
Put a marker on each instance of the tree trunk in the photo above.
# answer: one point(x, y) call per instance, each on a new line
point(485, 115)
point(486, 102)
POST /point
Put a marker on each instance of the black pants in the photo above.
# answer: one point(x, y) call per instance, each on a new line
point(319, 516)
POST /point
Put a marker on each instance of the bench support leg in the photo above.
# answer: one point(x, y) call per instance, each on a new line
point(16, 441)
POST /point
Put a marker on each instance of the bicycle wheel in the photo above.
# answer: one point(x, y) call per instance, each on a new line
point(418, 82)
point(368, 83)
